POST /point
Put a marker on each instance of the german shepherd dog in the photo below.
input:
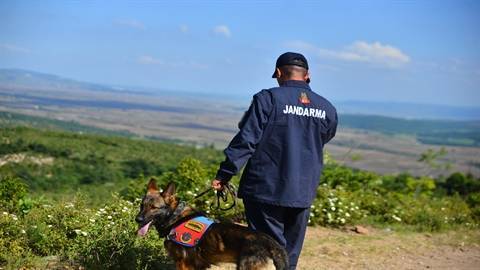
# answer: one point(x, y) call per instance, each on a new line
point(222, 243)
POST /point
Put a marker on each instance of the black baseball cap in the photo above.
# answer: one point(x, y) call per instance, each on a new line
point(291, 58)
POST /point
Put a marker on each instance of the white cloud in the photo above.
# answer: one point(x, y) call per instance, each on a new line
point(148, 60)
point(222, 30)
point(131, 23)
point(359, 51)
point(183, 28)
point(13, 48)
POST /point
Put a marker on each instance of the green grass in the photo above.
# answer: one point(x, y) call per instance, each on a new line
point(87, 162)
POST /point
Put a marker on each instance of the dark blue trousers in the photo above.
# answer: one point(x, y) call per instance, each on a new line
point(287, 225)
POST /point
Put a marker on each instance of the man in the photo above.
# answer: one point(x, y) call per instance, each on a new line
point(282, 137)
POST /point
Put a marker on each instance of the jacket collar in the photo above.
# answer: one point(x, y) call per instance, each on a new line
point(292, 83)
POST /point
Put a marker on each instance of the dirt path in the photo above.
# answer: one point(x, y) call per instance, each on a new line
point(381, 249)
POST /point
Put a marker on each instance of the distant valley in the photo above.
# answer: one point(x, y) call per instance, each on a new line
point(378, 143)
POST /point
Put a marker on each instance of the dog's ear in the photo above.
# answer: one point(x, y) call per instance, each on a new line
point(152, 186)
point(169, 190)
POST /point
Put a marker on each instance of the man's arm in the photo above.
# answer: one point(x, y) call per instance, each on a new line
point(244, 143)
point(332, 129)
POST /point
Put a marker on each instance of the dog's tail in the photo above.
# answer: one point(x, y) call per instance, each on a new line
point(278, 254)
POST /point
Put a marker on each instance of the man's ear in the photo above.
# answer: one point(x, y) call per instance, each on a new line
point(279, 73)
point(152, 186)
point(307, 77)
point(169, 190)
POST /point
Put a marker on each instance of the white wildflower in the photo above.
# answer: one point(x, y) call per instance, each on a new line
point(49, 226)
point(92, 220)
point(84, 233)
point(332, 208)
point(5, 213)
point(347, 214)
point(69, 205)
point(23, 231)
point(109, 217)
point(49, 216)
point(342, 220)
point(77, 231)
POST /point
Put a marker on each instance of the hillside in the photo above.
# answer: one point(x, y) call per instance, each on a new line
point(49, 160)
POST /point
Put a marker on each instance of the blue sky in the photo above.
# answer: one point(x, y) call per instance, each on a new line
point(402, 51)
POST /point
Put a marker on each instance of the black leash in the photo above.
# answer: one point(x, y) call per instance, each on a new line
point(223, 195)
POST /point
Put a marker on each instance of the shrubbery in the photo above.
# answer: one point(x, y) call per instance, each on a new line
point(102, 235)
point(101, 238)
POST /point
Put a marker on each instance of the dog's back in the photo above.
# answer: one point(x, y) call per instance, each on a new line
point(246, 248)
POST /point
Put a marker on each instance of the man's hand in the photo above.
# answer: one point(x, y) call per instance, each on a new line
point(217, 184)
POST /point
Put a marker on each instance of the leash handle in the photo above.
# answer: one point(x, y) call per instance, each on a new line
point(222, 195)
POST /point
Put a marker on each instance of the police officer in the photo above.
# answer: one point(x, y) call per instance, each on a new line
point(281, 139)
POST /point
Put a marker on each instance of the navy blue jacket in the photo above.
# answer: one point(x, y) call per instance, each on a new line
point(282, 137)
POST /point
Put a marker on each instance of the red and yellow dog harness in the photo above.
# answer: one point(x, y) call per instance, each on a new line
point(189, 233)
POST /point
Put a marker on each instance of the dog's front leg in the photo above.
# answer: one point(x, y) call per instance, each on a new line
point(183, 265)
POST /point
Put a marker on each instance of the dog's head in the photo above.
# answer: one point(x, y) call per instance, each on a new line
point(156, 207)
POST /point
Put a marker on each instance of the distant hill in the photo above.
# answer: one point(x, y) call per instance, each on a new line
point(438, 132)
point(409, 110)
point(27, 78)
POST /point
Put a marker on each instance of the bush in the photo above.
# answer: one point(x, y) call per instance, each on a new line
point(12, 193)
point(103, 238)
point(461, 184)
point(334, 207)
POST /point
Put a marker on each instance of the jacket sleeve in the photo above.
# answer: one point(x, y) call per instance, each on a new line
point(332, 129)
point(244, 143)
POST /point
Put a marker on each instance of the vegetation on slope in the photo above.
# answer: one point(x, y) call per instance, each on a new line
point(44, 217)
